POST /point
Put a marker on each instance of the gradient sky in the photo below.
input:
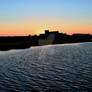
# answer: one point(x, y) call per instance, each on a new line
point(23, 17)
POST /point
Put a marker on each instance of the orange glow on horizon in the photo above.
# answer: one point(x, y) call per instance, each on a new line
point(32, 28)
point(26, 32)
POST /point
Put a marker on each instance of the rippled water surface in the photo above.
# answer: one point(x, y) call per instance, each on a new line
point(47, 69)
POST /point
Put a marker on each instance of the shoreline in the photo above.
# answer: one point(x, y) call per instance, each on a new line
point(18, 48)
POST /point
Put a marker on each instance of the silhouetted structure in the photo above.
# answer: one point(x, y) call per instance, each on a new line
point(54, 37)
point(60, 38)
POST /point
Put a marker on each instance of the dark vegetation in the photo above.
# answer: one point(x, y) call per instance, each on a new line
point(54, 37)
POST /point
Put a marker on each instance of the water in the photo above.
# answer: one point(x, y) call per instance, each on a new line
point(66, 68)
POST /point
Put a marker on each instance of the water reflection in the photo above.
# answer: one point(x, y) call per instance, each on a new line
point(47, 68)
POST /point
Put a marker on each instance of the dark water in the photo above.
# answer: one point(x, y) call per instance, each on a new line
point(64, 68)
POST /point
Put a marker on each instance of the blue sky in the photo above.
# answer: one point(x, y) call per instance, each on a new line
point(45, 7)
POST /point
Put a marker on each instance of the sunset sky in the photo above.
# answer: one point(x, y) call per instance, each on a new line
point(23, 17)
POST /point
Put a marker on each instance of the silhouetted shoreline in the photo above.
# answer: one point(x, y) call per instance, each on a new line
point(48, 38)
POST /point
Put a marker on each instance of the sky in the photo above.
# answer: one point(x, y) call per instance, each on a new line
point(24, 17)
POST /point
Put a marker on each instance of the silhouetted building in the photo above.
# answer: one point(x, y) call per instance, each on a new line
point(52, 32)
point(47, 33)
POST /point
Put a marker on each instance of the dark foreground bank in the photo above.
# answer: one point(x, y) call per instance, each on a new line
point(21, 42)
point(54, 37)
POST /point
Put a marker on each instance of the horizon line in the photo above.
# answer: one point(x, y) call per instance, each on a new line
point(42, 33)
